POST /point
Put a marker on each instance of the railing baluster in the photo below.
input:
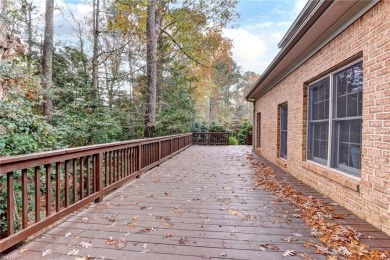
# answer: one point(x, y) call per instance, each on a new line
point(110, 168)
point(24, 199)
point(48, 189)
point(81, 178)
point(88, 176)
point(139, 167)
point(127, 160)
point(74, 180)
point(58, 186)
point(37, 181)
point(105, 169)
point(117, 166)
point(66, 179)
point(10, 204)
point(94, 162)
point(98, 170)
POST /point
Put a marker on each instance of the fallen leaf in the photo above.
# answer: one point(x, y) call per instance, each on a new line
point(135, 217)
point(298, 235)
point(234, 212)
point(144, 230)
point(183, 240)
point(110, 241)
point(86, 244)
point(167, 224)
point(22, 250)
point(47, 252)
point(265, 247)
point(68, 234)
point(85, 257)
point(289, 239)
point(85, 220)
point(164, 218)
point(121, 243)
point(289, 253)
point(145, 249)
point(169, 235)
point(73, 252)
point(132, 226)
point(305, 256)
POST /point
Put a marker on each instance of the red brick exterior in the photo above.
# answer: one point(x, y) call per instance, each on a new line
point(368, 197)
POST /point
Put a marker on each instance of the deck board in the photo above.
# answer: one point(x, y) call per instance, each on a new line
point(193, 198)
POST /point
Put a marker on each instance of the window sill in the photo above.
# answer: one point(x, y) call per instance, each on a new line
point(341, 178)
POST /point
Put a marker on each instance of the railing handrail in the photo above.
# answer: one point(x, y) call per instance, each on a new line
point(33, 159)
point(73, 178)
point(210, 133)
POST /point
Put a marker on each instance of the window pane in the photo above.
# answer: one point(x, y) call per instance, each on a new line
point(341, 106)
point(318, 142)
point(352, 105)
point(348, 85)
point(356, 131)
point(348, 136)
point(319, 100)
point(283, 131)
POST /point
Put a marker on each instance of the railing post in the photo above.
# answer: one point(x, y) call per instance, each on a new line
point(159, 151)
point(139, 161)
point(10, 203)
point(99, 176)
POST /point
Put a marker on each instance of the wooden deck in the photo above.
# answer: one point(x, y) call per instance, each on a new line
point(199, 205)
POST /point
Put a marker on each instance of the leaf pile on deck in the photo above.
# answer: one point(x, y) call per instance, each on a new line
point(338, 241)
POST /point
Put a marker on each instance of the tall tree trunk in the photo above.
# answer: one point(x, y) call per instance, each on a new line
point(95, 62)
point(151, 60)
point(47, 62)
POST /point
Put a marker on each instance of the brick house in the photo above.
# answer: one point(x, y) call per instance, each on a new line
point(322, 107)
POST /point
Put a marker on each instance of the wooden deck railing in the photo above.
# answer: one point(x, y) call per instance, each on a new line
point(210, 138)
point(44, 187)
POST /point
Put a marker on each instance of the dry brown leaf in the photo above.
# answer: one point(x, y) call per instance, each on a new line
point(169, 235)
point(265, 247)
point(144, 230)
point(164, 218)
point(167, 224)
point(183, 240)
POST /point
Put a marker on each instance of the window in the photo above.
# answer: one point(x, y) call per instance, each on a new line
point(258, 137)
point(335, 119)
point(283, 131)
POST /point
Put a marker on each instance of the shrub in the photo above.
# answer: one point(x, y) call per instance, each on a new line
point(233, 140)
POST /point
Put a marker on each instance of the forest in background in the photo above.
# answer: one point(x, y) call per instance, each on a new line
point(129, 69)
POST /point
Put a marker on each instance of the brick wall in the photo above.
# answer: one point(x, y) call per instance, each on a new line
point(368, 197)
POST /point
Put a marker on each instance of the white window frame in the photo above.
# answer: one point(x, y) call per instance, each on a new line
point(344, 170)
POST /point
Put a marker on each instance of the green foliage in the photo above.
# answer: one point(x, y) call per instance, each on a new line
point(233, 140)
point(177, 109)
point(22, 131)
point(241, 134)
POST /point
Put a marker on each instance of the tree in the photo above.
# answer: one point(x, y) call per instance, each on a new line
point(95, 62)
point(47, 62)
point(151, 61)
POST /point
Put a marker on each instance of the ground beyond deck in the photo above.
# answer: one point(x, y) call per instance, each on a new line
point(190, 207)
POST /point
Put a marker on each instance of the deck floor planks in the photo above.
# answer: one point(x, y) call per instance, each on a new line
point(213, 211)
